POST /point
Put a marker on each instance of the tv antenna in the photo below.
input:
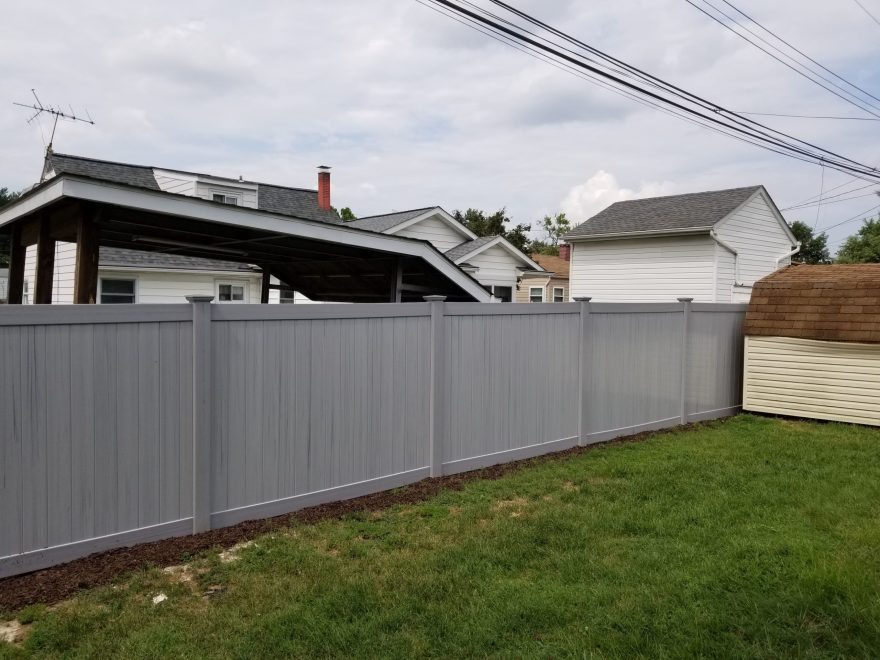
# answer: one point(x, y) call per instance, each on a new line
point(57, 113)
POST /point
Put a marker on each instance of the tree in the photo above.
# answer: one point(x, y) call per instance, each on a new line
point(6, 197)
point(814, 249)
point(346, 214)
point(495, 224)
point(863, 247)
point(556, 227)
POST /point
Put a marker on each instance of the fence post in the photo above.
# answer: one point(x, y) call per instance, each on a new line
point(438, 398)
point(201, 412)
point(583, 369)
point(686, 314)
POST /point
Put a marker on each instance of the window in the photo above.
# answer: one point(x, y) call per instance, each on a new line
point(558, 294)
point(503, 293)
point(536, 294)
point(117, 292)
point(231, 292)
point(225, 199)
point(286, 297)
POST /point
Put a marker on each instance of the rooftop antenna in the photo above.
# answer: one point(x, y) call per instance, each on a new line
point(57, 113)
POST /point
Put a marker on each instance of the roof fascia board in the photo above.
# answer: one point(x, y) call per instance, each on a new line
point(430, 213)
point(762, 191)
point(176, 271)
point(200, 209)
point(686, 231)
point(503, 242)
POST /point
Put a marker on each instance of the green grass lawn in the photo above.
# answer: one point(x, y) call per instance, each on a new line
point(749, 537)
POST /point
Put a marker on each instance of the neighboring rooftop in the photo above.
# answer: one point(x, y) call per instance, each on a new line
point(658, 214)
point(464, 249)
point(124, 258)
point(296, 202)
point(837, 302)
point(556, 265)
point(386, 221)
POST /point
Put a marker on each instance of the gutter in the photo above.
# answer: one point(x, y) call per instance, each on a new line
point(729, 249)
point(685, 231)
point(793, 252)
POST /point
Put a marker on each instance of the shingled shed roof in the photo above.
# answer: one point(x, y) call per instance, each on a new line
point(839, 302)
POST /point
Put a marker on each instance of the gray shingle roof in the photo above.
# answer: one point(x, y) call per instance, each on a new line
point(655, 214)
point(467, 247)
point(386, 221)
point(297, 202)
point(121, 257)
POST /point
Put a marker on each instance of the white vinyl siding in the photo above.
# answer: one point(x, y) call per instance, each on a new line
point(434, 230)
point(175, 182)
point(755, 233)
point(644, 270)
point(725, 268)
point(193, 185)
point(174, 287)
point(810, 378)
point(497, 266)
point(62, 279)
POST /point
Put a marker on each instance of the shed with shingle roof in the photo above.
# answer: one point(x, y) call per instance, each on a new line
point(812, 345)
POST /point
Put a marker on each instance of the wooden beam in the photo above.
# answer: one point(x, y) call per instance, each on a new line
point(45, 265)
point(85, 281)
point(15, 286)
point(264, 287)
point(396, 281)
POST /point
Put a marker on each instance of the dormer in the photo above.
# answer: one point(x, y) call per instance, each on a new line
point(215, 189)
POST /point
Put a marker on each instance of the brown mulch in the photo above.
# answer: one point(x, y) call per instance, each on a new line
point(58, 583)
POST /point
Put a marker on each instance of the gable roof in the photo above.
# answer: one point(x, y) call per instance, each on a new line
point(837, 302)
point(386, 221)
point(482, 243)
point(124, 258)
point(556, 265)
point(673, 213)
point(468, 247)
point(296, 202)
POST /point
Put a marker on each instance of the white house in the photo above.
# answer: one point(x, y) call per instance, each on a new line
point(711, 246)
point(491, 260)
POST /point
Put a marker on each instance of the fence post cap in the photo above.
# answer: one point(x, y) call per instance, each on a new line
point(434, 298)
point(199, 299)
point(583, 299)
point(685, 300)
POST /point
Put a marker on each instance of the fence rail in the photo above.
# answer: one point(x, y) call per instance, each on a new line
point(125, 424)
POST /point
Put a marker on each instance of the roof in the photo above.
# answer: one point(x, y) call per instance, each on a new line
point(464, 249)
point(297, 202)
point(386, 221)
point(837, 302)
point(124, 258)
point(695, 211)
point(556, 265)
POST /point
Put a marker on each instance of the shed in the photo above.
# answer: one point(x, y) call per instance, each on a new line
point(812, 343)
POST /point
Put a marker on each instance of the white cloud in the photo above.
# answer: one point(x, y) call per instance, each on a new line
point(586, 199)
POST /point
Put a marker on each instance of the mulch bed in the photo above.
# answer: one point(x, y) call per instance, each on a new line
point(58, 583)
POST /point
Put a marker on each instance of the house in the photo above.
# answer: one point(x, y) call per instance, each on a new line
point(812, 343)
point(492, 260)
point(550, 285)
point(157, 234)
point(710, 246)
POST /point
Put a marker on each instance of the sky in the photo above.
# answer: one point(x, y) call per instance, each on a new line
point(412, 109)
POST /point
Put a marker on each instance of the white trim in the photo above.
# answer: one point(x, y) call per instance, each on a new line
point(539, 288)
point(503, 242)
point(553, 293)
point(762, 191)
point(682, 231)
point(438, 212)
point(232, 281)
point(184, 271)
point(715, 238)
point(101, 279)
point(239, 216)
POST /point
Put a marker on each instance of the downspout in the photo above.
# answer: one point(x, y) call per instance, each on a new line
point(729, 249)
point(793, 252)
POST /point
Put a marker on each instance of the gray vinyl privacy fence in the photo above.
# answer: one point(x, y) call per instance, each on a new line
point(131, 423)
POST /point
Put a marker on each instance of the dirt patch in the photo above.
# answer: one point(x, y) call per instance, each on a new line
point(232, 554)
point(13, 632)
point(57, 583)
point(570, 487)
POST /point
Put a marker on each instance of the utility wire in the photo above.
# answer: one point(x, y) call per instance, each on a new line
point(758, 134)
point(864, 215)
point(779, 114)
point(819, 205)
point(834, 199)
point(865, 9)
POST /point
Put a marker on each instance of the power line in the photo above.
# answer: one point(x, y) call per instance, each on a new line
point(859, 216)
point(824, 200)
point(837, 187)
point(706, 112)
point(865, 9)
point(779, 114)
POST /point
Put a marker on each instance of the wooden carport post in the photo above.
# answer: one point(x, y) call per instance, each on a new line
point(45, 264)
point(264, 287)
point(15, 289)
point(85, 282)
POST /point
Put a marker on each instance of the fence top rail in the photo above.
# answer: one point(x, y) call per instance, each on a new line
point(720, 307)
point(635, 308)
point(502, 309)
point(18, 315)
point(319, 312)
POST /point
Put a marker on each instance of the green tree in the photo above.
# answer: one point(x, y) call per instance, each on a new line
point(863, 247)
point(556, 227)
point(6, 197)
point(814, 249)
point(345, 214)
point(495, 224)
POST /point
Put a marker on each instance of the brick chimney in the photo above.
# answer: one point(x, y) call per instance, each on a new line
point(324, 187)
point(565, 251)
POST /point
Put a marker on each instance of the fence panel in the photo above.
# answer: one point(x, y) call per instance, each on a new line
point(511, 381)
point(715, 361)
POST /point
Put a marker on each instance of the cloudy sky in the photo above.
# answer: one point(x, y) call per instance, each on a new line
point(412, 109)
